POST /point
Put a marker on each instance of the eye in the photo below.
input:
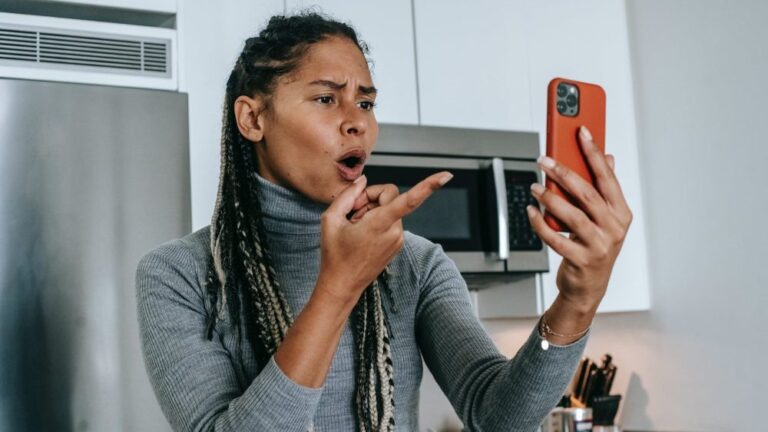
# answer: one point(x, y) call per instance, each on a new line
point(368, 105)
point(324, 99)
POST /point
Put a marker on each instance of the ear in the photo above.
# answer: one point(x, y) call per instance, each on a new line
point(249, 116)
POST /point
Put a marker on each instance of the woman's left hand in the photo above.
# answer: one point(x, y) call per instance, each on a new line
point(598, 226)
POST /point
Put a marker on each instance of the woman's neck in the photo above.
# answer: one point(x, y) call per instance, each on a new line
point(287, 211)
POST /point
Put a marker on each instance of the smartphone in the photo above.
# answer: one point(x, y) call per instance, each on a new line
point(570, 105)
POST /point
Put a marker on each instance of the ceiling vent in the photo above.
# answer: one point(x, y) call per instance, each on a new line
point(34, 47)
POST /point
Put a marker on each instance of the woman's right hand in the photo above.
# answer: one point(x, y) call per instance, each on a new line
point(354, 252)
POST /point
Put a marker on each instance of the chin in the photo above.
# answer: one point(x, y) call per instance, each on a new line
point(335, 190)
point(325, 189)
point(326, 192)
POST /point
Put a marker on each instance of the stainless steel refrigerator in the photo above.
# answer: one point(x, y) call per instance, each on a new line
point(91, 177)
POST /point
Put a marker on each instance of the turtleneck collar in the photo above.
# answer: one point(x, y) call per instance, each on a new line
point(286, 211)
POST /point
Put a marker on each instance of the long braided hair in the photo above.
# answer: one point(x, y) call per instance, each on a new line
point(241, 275)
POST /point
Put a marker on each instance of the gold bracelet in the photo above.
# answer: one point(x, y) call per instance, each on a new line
point(545, 330)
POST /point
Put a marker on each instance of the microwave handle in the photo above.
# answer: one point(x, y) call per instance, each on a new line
point(500, 188)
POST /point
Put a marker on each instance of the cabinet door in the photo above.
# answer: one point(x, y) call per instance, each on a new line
point(473, 64)
point(587, 41)
point(387, 29)
point(211, 36)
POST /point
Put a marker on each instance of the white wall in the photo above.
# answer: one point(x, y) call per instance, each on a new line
point(211, 36)
point(701, 70)
point(696, 361)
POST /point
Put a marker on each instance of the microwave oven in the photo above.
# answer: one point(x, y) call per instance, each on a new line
point(479, 217)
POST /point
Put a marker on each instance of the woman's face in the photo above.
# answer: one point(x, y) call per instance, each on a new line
point(318, 116)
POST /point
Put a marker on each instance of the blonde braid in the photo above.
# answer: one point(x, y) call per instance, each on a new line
point(375, 379)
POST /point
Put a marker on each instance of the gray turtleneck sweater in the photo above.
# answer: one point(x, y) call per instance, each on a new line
point(212, 385)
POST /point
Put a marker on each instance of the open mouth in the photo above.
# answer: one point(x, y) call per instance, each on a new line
point(352, 161)
point(350, 165)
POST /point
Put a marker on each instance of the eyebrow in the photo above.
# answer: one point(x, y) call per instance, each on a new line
point(337, 86)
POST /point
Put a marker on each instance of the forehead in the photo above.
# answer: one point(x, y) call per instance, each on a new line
point(334, 58)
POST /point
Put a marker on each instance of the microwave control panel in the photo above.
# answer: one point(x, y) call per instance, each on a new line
point(522, 237)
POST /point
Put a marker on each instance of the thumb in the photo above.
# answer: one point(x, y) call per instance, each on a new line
point(345, 202)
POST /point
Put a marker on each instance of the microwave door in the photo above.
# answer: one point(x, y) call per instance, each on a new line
point(455, 216)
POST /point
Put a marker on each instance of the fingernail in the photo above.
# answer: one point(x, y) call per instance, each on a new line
point(585, 133)
point(537, 188)
point(359, 179)
point(445, 178)
point(529, 209)
point(547, 161)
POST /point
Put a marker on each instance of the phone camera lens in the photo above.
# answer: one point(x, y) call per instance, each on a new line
point(561, 90)
point(561, 106)
point(571, 99)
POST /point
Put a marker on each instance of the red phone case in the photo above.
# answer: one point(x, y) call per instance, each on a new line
point(562, 136)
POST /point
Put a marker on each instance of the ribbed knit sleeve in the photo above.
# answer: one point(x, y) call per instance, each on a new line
point(194, 378)
point(488, 391)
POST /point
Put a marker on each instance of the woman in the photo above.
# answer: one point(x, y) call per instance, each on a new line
point(304, 305)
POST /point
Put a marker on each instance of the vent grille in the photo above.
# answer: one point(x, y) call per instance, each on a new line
point(84, 51)
point(18, 45)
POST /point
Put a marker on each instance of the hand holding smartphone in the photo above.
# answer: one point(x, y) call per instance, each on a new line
point(596, 215)
point(570, 105)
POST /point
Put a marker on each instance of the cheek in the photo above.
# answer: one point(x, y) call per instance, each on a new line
point(314, 139)
point(308, 161)
point(302, 150)
point(312, 164)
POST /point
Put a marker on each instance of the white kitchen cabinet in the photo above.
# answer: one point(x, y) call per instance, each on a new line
point(472, 64)
point(161, 6)
point(211, 36)
point(588, 41)
point(387, 29)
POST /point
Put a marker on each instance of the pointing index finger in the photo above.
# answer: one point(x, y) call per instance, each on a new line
point(407, 202)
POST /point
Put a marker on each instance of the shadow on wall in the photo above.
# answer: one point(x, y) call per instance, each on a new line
point(639, 395)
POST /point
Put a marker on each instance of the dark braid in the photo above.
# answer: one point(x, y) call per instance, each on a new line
point(241, 274)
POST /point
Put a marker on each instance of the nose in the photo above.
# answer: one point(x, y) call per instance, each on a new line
point(354, 122)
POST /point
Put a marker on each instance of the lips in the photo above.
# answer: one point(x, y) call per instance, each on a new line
point(350, 164)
